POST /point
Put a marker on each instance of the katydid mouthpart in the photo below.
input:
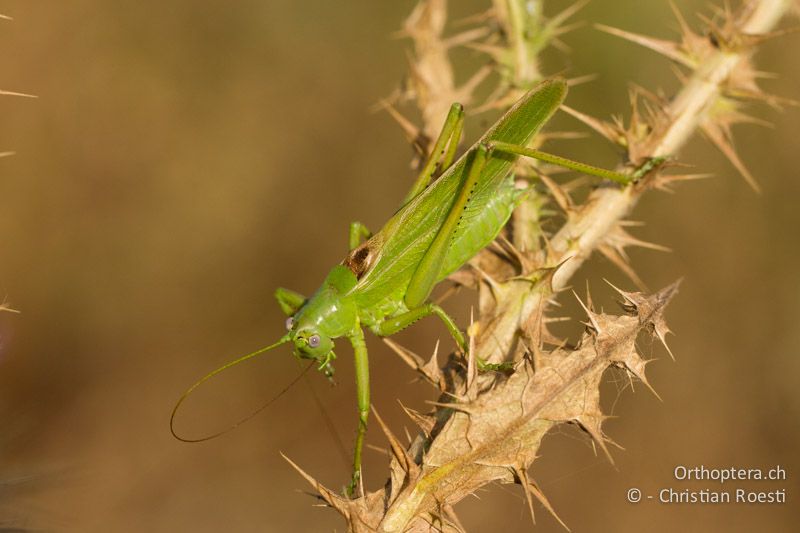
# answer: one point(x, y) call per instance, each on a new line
point(384, 282)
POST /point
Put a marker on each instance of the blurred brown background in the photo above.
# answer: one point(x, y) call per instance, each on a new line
point(186, 158)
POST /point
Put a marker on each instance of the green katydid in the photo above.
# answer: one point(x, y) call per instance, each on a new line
point(384, 282)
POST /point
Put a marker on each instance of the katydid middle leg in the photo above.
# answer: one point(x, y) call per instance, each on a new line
point(358, 231)
point(390, 326)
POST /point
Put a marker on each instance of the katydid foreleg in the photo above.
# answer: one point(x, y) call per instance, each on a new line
point(385, 328)
point(362, 394)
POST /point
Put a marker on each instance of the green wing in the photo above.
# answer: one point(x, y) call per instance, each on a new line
point(396, 250)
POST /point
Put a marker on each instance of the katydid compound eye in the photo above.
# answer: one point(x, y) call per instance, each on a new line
point(313, 341)
point(290, 323)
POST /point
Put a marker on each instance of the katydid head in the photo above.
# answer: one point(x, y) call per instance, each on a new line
point(311, 342)
point(310, 345)
point(327, 315)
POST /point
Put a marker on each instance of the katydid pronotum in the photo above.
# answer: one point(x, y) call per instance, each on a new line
point(385, 281)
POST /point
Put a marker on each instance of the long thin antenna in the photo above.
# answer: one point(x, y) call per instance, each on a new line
point(213, 373)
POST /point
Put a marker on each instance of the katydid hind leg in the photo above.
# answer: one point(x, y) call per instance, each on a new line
point(444, 148)
point(358, 231)
point(563, 162)
point(452, 145)
point(427, 273)
point(289, 301)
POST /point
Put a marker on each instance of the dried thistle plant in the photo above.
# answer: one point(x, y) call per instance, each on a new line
point(488, 427)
